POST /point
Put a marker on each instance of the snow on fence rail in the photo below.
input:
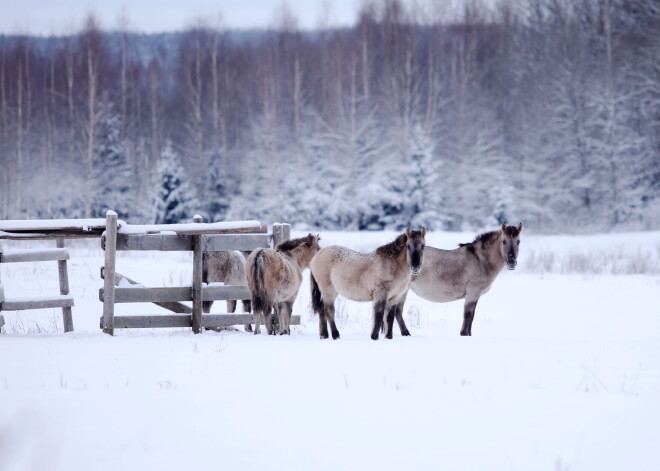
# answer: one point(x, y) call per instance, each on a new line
point(198, 238)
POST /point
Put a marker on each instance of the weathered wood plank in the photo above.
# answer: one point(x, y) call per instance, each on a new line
point(245, 242)
point(45, 235)
point(150, 295)
point(39, 225)
point(177, 293)
point(148, 322)
point(67, 317)
point(197, 227)
point(182, 320)
point(34, 255)
point(220, 293)
point(173, 306)
point(2, 295)
point(198, 264)
point(109, 270)
point(2, 322)
point(162, 242)
point(277, 234)
point(36, 303)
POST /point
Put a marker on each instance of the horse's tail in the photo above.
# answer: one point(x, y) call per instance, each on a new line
point(257, 285)
point(317, 300)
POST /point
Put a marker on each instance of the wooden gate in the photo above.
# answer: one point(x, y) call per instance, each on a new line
point(197, 237)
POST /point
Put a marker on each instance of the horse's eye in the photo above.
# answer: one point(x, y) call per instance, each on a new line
point(518, 242)
point(504, 242)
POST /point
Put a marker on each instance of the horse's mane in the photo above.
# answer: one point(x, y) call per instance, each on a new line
point(482, 240)
point(291, 244)
point(487, 238)
point(392, 249)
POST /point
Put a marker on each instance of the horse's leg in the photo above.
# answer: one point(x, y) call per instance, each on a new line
point(379, 312)
point(268, 318)
point(247, 307)
point(330, 315)
point(231, 306)
point(206, 306)
point(328, 312)
point(257, 322)
point(388, 326)
point(399, 317)
point(285, 309)
point(468, 315)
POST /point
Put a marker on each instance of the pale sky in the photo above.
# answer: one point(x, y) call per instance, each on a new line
point(45, 17)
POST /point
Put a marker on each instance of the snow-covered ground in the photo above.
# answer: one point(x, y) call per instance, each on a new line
point(562, 373)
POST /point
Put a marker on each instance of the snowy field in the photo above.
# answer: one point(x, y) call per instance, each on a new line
point(562, 373)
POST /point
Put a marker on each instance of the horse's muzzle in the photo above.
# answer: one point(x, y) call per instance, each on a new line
point(416, 270)
point(511, 264)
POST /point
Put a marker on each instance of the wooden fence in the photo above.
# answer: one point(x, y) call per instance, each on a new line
point(117, 235)
point(198, 238)
point(28, 230)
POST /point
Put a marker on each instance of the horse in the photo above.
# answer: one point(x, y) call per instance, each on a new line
point(466, 272)
point(381, 276)
point(274, 277)
point(228, 268)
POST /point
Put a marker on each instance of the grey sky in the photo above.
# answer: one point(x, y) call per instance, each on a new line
point(56, 17)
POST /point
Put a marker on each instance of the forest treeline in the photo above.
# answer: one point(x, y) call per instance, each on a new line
point(542, 111)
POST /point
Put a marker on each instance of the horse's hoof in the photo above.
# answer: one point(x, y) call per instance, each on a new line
point(405, 334)
point(248, 328)
point(257, 332)
point(323, 336)
point(465, 334)
point(374, 336)
point(388, 336)
point(335, 335)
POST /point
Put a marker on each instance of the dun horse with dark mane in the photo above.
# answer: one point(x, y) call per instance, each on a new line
point(228, 268)
point(381, 276)
point(466, 272)
point(274, 277)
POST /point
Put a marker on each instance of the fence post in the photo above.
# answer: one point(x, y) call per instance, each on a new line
point(109, 243)
point(67, 318)
point(197, 279)
point(277, 234)
point(2, 290)
point(286, 231)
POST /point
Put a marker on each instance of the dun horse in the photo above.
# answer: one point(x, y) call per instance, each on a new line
point(466, 272)
point(274, 277)
point(381, 276)
point(228, 268)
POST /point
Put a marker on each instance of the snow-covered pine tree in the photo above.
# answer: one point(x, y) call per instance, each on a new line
point(112, 182)
point(217, 205)
point(415, 182)
point(174, 197)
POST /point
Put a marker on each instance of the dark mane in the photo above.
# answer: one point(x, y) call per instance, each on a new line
point(394, 248)
point(291, 244)
point(482, 240)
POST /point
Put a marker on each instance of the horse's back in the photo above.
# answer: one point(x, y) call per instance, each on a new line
point(354, 275)
point(281, 277)
point(224, 266)
point(444, 276)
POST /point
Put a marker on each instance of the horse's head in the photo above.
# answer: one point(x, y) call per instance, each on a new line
point(415, 241)
point(510, 243)
point(312, 243)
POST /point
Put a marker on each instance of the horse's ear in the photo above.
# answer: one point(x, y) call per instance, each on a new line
point(423, 231)
point(503, 226)
point(519, 228)
point(408, 232)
